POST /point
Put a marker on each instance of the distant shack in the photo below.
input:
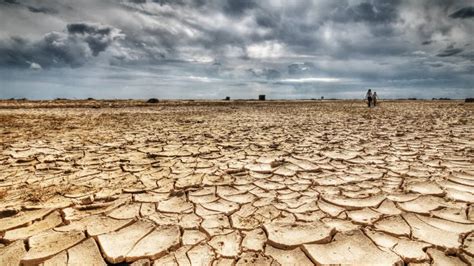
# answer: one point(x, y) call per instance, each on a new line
point(261, 97)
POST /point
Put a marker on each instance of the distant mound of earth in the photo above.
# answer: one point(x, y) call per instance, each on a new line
point(153, 100)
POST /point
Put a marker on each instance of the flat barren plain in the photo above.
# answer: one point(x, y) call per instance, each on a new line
point(236, 183)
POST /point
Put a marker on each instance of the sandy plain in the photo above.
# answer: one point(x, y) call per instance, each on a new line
point(236, 183)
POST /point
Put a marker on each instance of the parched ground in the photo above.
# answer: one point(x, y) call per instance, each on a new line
point(224, 183)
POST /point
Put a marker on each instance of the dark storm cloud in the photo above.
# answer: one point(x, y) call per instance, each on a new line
point(56, 49)
point(450, 51)
point(436, 65)
point(42, 10)
point(98, 37)
point(138, 1)
point(466, 12)
point(298, 69)
point(237, 7)
point(31, 8)
point(266, 19)
point(376, 11)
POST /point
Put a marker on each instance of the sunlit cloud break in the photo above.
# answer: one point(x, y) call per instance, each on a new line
point(310, 80)
point(201, 79)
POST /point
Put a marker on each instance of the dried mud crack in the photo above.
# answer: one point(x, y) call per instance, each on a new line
point(237, 183)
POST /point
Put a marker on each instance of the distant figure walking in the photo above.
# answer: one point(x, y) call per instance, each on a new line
point(368, 96)
point(374, 98)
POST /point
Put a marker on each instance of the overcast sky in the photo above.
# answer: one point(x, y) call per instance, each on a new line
point(238, 48)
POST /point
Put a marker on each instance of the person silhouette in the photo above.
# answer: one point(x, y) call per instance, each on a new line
point(374, 98)
point(368, 96)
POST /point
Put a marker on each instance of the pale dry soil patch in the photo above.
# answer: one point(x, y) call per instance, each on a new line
point(237, 183)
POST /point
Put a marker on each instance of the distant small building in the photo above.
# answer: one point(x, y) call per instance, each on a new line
point(261, 97)
point(322, 97)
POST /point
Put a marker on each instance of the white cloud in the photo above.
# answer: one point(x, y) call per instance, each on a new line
point(35, 66)
point(267, 49)
point(200, 79)
point(309, 80)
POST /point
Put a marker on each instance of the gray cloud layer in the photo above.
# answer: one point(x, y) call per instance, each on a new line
point(210, 49)
point(72, 48)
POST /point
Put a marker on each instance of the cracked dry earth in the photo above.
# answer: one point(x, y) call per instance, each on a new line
point(238, 183)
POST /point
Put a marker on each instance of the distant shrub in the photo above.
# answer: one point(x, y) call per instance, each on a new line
point(412, 99)
point(90, 99)
point(227, 98)
point(469, 100)
point(153, 100)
